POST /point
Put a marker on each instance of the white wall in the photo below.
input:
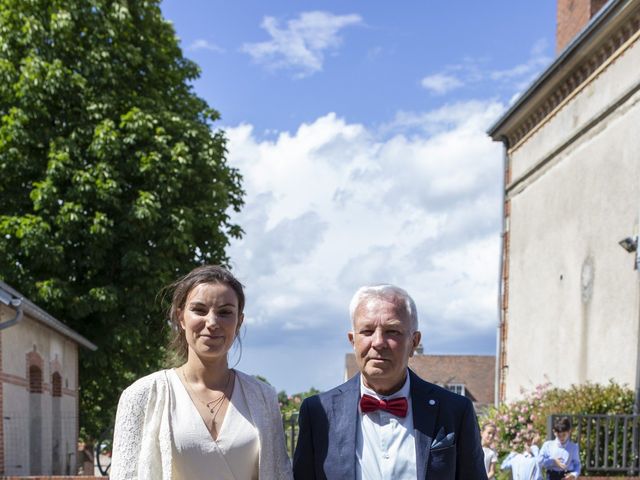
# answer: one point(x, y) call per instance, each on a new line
point(15, 429)
point(573, 292)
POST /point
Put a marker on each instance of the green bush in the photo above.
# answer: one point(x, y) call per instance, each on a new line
point(530, 413)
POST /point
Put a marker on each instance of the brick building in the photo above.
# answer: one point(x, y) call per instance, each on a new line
point(38, 389)
point(570, 296)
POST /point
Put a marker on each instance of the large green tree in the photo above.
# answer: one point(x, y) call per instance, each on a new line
point(112, 181)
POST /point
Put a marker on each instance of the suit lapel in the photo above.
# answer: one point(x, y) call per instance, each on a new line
point(425, 412)
point(345, 419)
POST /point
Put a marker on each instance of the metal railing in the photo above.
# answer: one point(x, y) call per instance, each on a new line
point(102, 452)
point(290, 423)
point(608, 443)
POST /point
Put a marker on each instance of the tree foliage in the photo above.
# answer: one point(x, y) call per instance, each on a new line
point(112, 181)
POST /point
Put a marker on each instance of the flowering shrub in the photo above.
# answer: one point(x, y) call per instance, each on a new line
point(529, 414)
point(290, 404)
point(512, 420)
point(289, 407)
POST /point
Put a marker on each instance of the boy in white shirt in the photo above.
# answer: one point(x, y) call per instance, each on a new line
point(560, 457)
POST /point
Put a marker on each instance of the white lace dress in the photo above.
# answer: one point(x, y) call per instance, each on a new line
point(143, 441)
point(196, 455)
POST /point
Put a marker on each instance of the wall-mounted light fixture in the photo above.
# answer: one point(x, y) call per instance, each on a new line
point(630, 244)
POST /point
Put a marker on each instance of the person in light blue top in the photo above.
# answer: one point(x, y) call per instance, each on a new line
point(561, 457)
point(524, 464)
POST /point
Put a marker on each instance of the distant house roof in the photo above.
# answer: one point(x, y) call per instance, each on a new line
point(36, 313)
point(475, 372)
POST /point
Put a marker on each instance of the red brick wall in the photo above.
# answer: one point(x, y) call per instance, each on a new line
point(504, 288)
point(572, 16)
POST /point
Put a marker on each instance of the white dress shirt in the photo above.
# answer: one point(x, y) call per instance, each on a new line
point(385, 444)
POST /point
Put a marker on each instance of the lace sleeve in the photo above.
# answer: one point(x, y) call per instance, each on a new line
point(127, 433)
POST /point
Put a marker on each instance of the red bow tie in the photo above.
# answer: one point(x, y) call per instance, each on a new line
point(396, 406)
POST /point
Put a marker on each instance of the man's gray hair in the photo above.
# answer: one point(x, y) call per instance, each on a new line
point(385, 292)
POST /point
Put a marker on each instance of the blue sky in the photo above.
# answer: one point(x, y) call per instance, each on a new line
point(359, 128)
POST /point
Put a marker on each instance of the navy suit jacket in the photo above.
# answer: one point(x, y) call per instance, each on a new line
point(326, 448)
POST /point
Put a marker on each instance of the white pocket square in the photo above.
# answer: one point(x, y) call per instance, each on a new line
point(443, 440)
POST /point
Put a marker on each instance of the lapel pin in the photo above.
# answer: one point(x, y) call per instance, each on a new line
point(432, 402)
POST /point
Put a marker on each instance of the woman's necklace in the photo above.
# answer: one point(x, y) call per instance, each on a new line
point(213, 406)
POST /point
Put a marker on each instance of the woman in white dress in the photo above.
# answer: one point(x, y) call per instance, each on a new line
point(202, 420)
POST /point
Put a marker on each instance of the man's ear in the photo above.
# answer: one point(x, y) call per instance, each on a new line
point(350, 335)
point(417, 336)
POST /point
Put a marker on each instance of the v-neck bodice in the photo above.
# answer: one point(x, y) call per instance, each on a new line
point(196, 455)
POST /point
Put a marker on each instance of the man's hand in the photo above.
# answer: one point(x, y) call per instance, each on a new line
point(559, 464)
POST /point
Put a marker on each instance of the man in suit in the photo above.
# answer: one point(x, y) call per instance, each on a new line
point(386, 422)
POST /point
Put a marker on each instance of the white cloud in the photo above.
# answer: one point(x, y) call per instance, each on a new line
point(528, 69)
point(300, 45)
point(471, 72)
point(437, 121)
point(202, 44)
point(440, 83)
point(336, 205)
point(521, 75)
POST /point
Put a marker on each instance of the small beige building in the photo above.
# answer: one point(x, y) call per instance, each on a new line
point(570, 295)
point(38, 389)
